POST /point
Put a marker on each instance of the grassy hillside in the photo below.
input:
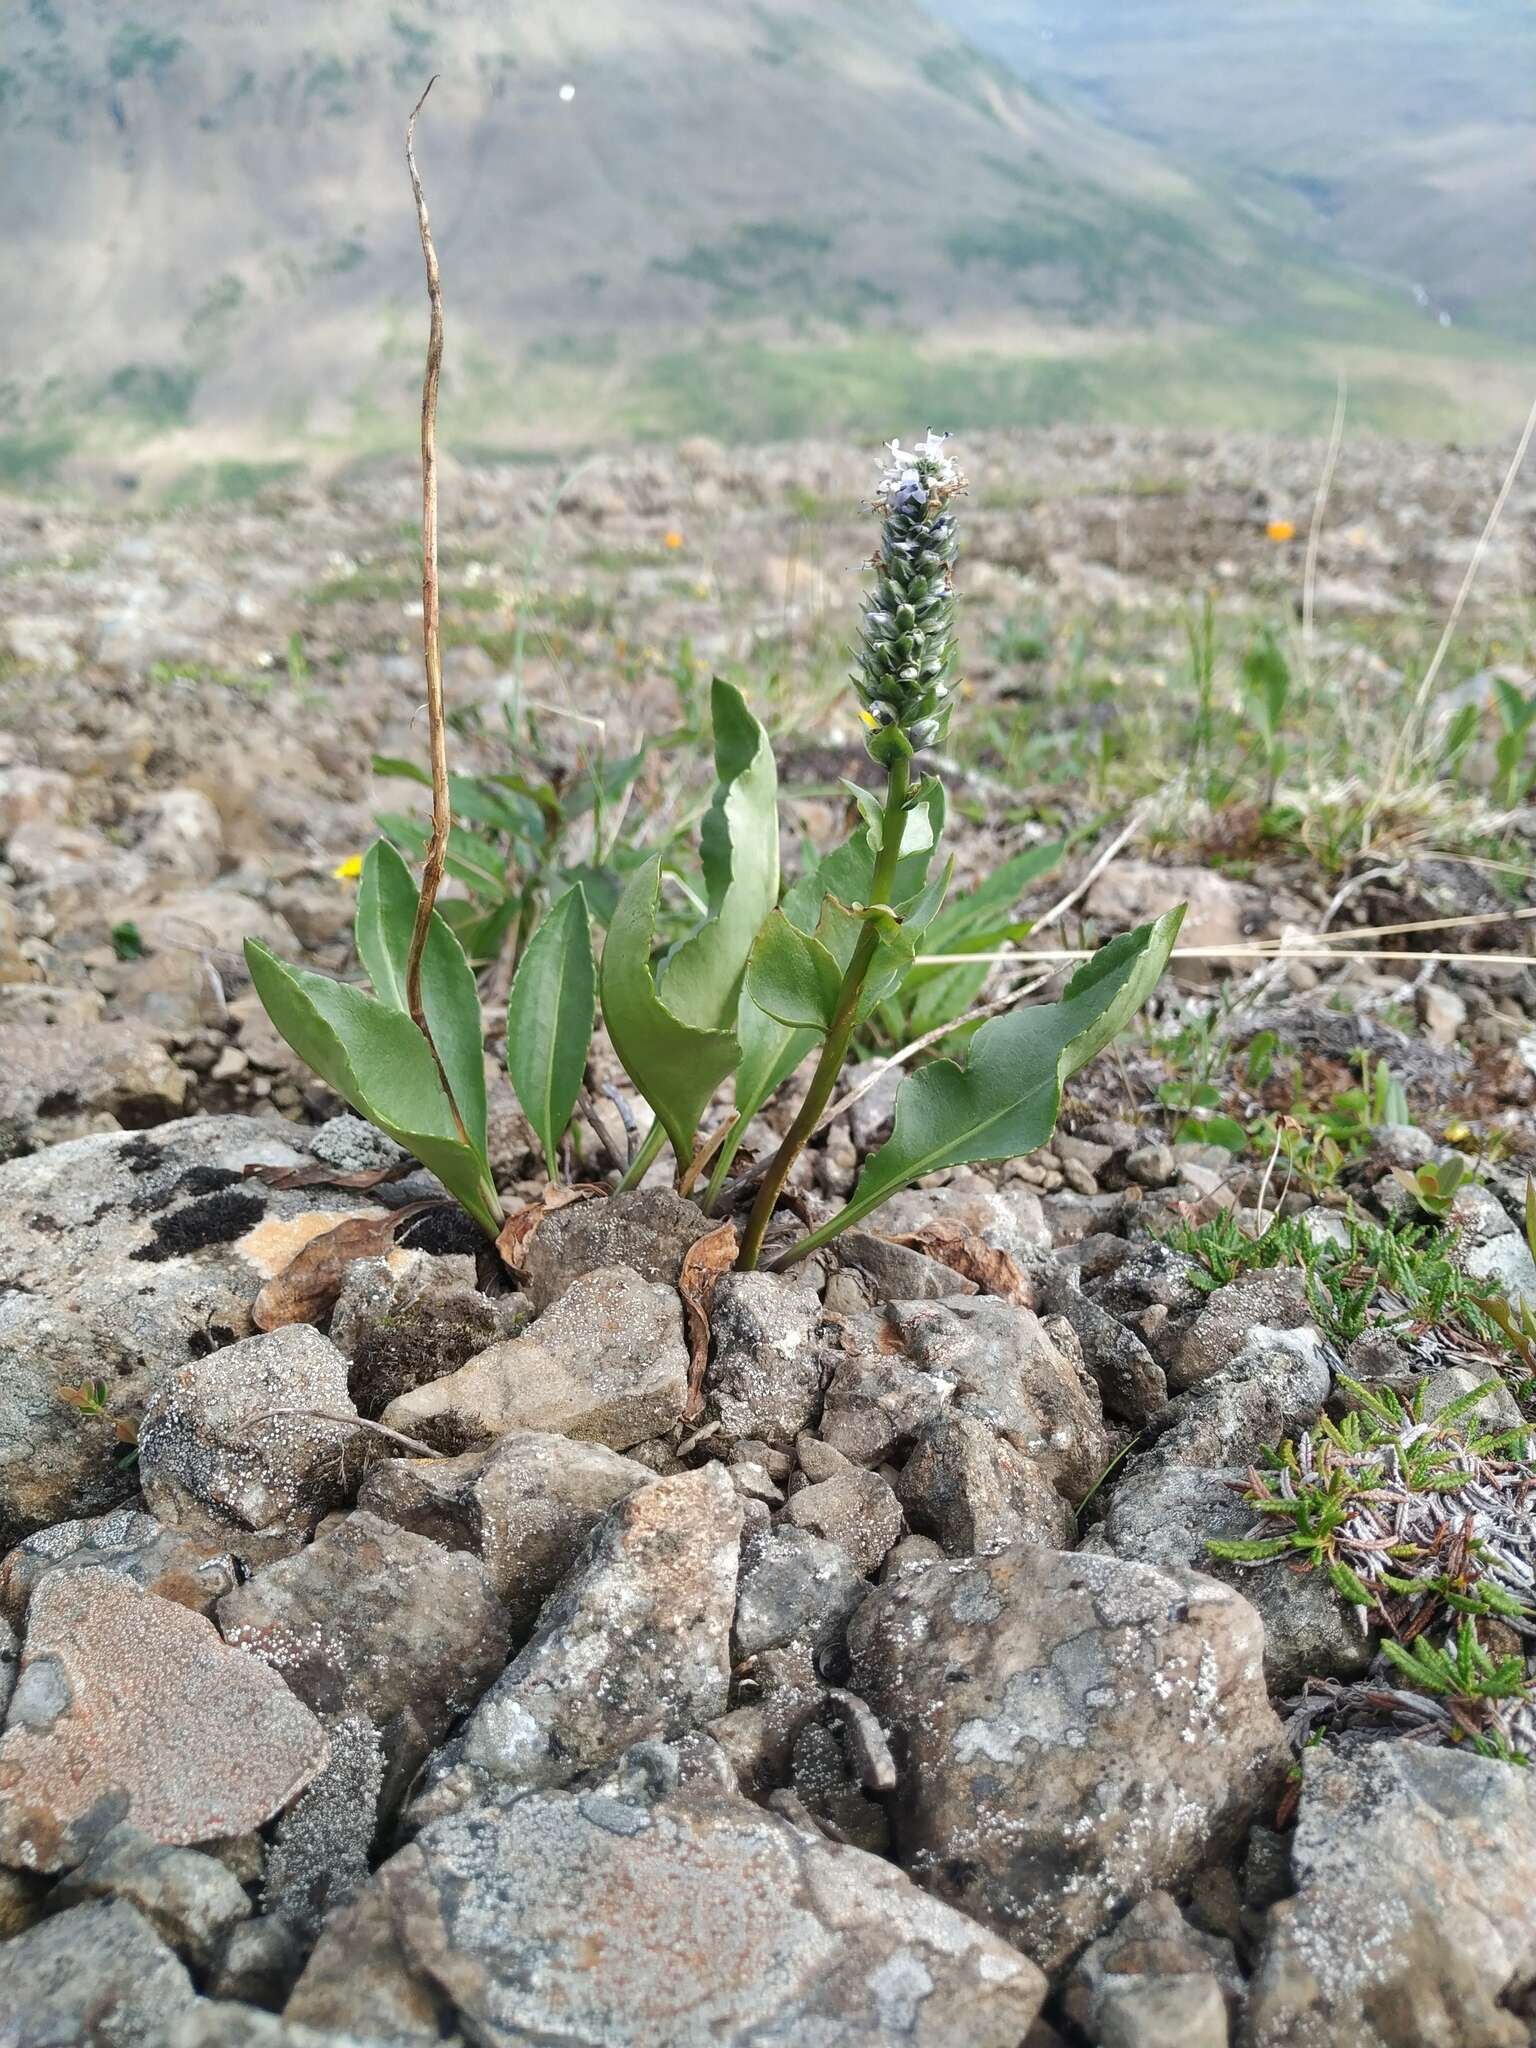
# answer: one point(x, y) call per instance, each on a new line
point(767, 217)
point(1400, 134)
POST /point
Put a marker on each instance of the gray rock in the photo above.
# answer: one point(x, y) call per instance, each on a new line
point(1007, 1218)
point(855, 1510)
point(1153, 1947)
point(1163, 1515)
point(192, 1570)
point(897, 1272)
point(765, 1369)
point(975, 1493)
point(212, 1446)
point(10, 1658)
point(660, 1917)
point(219, 2023)
point(260, 1962)
point(1505, 1264)
point(635, 1644)
point(96, 1735)
point(877, 1404)
point(410, 1319)
point(524, 1507)
point(1076, 1731)
point(1132, 1385)
point(1414, 1919)
point(1007, 1373)
point(319, 1855)
point(81, 1077)
point(606, 1363)
point(192, 1901)
point(129, 1255)
point(1275, 1386)
point(648, 1230)
point(369, 1619)
point(95, 1977)
point(795, 1587)
point(1164, 2012)
point(1274, 1298)
point(352, 1145)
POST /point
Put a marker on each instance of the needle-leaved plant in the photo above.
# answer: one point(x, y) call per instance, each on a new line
point(761, 984)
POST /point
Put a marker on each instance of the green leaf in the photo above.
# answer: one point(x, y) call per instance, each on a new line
point(1267, 681)
point(792, 976)
point(550, 1014)
point(1248, 1549)
point(739, 848)
point(1003, 1104)
point(676, 1066)
point(450, 1001)
point(379, 1063)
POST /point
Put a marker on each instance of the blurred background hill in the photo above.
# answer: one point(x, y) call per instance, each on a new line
point(759, 219)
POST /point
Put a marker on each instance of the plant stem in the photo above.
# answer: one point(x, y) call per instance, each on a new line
point(655, 1138)
point(844, 1016)
point(431, 636)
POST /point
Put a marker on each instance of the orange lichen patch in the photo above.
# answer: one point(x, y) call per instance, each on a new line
point(273, 1245)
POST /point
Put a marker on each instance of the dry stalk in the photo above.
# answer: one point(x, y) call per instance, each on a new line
point(431, 610)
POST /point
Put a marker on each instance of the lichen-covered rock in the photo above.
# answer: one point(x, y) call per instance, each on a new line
point(1274, 1386)
point(635, 1644)
point(369, 1619)
point(97, 1976)
point(192, 1901)
point(1164, 1515)
point(524, 1507)
point(128, 1255)
point(1132, 1385)
point(410, 1318)
point(975, 1493)
point(1413, 1923)
point(81, 1077)
point(659, 1916)
point(219, 2023)
point(131, 1708)
point(1075, 1731)
point(238, 1437)
point(1275, 1298)
point(795, 1587)
point(765, 1368)
point(606, 1363)
point(1123, 1980)
point(319, 1855)
point(1006, 1373)
point(648, 1230)
point(192, 1570)
point(853, 1509)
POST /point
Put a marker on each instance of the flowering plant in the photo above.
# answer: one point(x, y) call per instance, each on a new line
point(760, 985)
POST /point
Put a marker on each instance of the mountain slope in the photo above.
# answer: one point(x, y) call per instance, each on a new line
point(761, 216)
point(1400, 133)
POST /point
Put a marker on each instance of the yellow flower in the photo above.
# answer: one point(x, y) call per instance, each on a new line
point(1280, 530)
point(869, 718)
point(350, 868)
point(672, 538)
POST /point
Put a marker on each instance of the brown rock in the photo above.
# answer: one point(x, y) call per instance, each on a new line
point(130, 1708)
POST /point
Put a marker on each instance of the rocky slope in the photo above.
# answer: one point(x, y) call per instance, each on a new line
point(434, 1669)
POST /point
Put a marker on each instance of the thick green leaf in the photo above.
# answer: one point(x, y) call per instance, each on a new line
point(792, 976)
point(450, 1000)
point(1003, 1103)
point(549, 1020)
point(739, 849)
point(676, 1066)
point(376, 1060)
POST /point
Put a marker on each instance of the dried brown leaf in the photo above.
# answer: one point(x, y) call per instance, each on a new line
point(307, 1287)
point(703, 1263)
point(994, 1272)
point(513, 1240)
point(328, 1176)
